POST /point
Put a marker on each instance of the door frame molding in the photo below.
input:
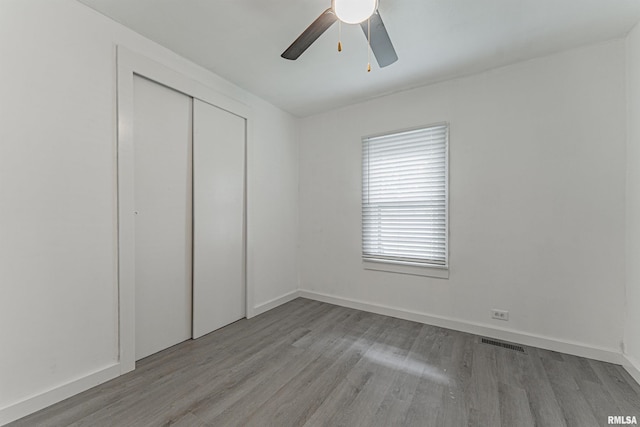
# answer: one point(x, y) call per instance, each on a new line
point(129, 64)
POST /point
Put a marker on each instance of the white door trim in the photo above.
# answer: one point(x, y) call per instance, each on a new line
point(128, 64)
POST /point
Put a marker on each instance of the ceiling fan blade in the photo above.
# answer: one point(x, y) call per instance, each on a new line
point(311, 34)
point(380, 42)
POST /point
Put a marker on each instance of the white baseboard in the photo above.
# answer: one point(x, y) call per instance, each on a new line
point(266, 306)
point(574, 348)
point(41, 400)
point(632, 366)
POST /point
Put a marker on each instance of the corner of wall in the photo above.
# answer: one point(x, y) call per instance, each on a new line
point(631, 325)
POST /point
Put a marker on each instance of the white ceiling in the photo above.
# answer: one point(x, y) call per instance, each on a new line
point(241, 40)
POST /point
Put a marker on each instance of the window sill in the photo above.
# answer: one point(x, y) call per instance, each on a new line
point(414, 270)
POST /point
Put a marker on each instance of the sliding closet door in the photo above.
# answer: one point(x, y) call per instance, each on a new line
point(163, 205)
point(218, 218)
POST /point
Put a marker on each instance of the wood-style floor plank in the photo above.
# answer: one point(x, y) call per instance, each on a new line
point(308, 363)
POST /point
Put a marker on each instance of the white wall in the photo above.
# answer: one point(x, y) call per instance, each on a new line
point(537, 160)
point(273, 206)
point(58, 282)
point(632, 324)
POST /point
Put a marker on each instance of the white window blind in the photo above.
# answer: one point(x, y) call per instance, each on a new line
point(404, 197)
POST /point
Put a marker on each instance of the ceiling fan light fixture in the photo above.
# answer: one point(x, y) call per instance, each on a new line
point(369, 19)
point(354, 11)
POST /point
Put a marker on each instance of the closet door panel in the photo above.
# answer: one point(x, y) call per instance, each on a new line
point(218, 218)
point(162, 174)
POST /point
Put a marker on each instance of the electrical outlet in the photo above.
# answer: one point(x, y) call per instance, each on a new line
point(500, 314)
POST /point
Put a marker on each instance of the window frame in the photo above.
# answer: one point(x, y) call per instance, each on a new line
point(404, 267)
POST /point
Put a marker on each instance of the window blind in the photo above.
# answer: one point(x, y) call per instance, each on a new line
point(404, 197)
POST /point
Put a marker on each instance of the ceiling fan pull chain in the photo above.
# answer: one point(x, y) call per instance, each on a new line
point(339, 36)
point(369, 45)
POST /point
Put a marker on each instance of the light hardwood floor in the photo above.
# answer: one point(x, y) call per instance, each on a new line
point(315, 364)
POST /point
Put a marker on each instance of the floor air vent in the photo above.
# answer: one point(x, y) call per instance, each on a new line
point(506, 345)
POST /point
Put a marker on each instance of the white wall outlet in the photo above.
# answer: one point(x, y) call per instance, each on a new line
point(500, 314)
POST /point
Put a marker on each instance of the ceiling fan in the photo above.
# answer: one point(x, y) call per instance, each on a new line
point(363, 12)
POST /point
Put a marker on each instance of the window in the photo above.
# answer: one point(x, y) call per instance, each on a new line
point(405, 197)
